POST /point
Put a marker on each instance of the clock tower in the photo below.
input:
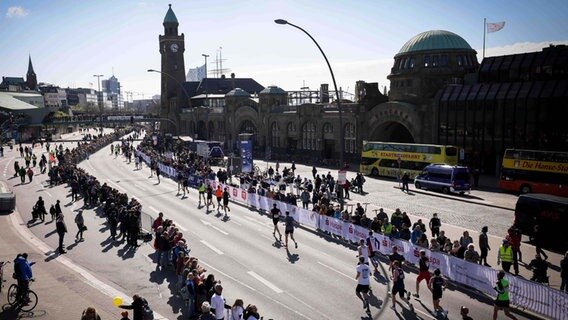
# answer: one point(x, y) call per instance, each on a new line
point(172, 48)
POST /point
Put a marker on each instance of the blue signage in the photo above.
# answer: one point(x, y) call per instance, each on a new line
point(246, 156)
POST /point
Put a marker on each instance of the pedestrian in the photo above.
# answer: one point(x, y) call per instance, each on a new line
point(373, 245)
point(238, 310)
point(158, 173)
point(484, 246)
point(437, 285)
point(405, 179)
point(226, 197)
point(90, 314)
point(206, 312)
point(514, 236)
point(16, 168)
point(465, 239)
point(363, 278)
point(314, 171)
point(275, 213)
point(124, 315)
point(505, 256)
point(464, 312)
point(61, 229)
point(537, 239)
point(201, 190)
point(137, 305)
point(80, 222)
point(423, 272)
point(23, 174)
point(470, 254)
point(502, 299)
point(30, 174)
point(289, 230)
point(219, 196)
point(398, 287)
point(435, 225)
point(52, 212)
point(564, 273)
point(218, 304)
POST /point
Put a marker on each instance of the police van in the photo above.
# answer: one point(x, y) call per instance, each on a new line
point(445, 178)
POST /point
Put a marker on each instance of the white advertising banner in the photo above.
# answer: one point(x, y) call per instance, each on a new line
point(530, 295)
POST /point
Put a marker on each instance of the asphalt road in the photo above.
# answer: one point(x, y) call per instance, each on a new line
point(315, 281)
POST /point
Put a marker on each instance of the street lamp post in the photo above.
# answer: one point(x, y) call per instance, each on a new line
point(341, 129)
point(181, 86)
point(205, 56)
point(100, 99)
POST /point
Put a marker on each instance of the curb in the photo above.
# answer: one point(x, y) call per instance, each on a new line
point(458, 199)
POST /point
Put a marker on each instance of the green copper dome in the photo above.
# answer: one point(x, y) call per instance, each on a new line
point(434, 40)
point(170, 16)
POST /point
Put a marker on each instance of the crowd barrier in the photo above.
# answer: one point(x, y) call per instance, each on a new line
point(525, 294)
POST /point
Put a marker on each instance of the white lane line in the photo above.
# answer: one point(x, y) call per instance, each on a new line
point(91, 166)
point(153, 209)
point(238, 224)
point(116, 184)
point(139, 187)
point(207, 223)
point(179, 226)
point(337, 271)
point(88, 278)
point(265, 282)
point(258, 222)
point(210, 246)
point(246, 285)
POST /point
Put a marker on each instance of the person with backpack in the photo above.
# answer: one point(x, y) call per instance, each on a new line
point(140, 308)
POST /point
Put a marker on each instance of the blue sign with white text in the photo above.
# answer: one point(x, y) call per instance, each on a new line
point(246, 156)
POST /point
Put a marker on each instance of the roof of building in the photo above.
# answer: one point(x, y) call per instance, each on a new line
point(237, 92)
point(272, 90)
point(221, 86)
point(10, 101)
point(16, 81)
point(170, 16)
point(30, 66)
point(434, 40)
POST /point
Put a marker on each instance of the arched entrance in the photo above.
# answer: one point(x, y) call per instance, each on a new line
point(392, 132)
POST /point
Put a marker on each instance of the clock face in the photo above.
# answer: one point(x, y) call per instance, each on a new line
point(174, 47)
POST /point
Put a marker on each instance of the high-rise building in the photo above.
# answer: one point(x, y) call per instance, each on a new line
point(196, 74)
point(112, 89)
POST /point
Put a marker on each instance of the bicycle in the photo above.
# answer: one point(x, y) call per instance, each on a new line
point(19, 301)
point(2, 265)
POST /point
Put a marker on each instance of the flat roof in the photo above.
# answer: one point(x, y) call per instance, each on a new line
point(8, 100)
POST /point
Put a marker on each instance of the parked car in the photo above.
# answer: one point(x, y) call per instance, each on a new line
point(445, 178)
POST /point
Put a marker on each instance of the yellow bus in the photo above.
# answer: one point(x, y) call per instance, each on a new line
point(391, 159)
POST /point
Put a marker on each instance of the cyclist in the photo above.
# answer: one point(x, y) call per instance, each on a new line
point(23, 274)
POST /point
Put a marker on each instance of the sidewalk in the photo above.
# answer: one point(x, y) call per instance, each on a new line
point(54, 282)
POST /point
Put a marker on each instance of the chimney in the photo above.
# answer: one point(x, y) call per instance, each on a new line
point(233, 80)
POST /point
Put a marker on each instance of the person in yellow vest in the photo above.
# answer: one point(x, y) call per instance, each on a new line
point(502, 300)
point(505, 256)
point(387, 228)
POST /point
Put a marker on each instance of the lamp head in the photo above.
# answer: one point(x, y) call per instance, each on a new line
point(281, 21)
point(152, 70)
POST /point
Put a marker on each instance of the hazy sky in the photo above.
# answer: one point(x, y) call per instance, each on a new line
point(70, 41)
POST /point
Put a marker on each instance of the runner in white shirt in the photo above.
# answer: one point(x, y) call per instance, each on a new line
point(363, 278)
point(363, 251)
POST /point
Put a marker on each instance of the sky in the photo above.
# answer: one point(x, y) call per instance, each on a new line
point(70, 41)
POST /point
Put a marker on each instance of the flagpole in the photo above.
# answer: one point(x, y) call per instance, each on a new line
point(484, 32)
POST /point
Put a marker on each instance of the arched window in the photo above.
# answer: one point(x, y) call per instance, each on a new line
point(327, 128)
point(247, 127)
point(309, 136)
point(275, 135)
point(350, 138)
point(291, 127)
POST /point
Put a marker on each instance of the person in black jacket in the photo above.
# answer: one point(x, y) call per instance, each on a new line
point(61, 229)
point(137, 307)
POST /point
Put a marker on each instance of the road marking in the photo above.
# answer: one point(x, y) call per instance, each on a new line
point(246, 285)
point(89, 163)
point(214, 227)
point(238, 224)
point(115, 184)
point(337, 271)
point(182, 228)
point(153, 209)
point(210, 246)
point(265, 282)
point(139, 187)
point(258, 222)
point(88, 277)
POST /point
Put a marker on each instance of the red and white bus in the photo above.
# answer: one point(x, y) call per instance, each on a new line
point(532, 171)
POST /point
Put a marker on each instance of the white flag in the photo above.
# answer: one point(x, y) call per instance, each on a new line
point(495, 26)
